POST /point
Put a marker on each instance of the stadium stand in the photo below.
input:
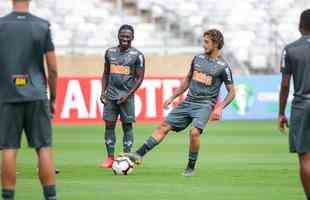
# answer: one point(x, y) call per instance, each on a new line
point(255, 30)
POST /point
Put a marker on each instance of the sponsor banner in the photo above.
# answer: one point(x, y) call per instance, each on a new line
point(78, 100)
point(257, 98)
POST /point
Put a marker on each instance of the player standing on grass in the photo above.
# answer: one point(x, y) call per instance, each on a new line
point(207, 73)
point(25, 39)
point(296, 64)
point(123, 75)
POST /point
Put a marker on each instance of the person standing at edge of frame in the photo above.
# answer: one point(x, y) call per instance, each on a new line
point(24, 106)
point(296, 63)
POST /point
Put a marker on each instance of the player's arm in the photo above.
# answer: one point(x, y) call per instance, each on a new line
point(105, 78)
point(52, 70)
point(284, 90)
point(283, 96)
point(217, 112)
point(139, 76)
point(139, 80)
point(229, 84)
point(231, 93)
point(52, 77)
point(181, 89)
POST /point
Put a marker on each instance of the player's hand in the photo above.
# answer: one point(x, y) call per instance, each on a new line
point(283, 124)
point(216, 114)
point(167, 103)
point(122, 100)
point(103, 97)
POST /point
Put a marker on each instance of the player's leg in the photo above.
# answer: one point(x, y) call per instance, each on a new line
point(128, 138)
point(11, 126)
point(177, 120)
point(38, 130)
point(110, 140)
point(304, 163)
point(47, 172)
point(158, 135)
point(110, 114)
point(8, 173)
point(200, 115)
point(299, 140)
point(194, 146)
point(127, 115)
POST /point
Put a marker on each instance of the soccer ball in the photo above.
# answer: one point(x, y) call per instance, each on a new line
point(122, 166)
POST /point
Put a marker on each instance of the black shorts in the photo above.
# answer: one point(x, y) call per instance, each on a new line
point(126, 111)
point(185, 113)
point(34, 118)
point(299, 136)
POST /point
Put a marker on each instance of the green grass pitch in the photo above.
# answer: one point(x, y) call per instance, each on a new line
point(244, 160)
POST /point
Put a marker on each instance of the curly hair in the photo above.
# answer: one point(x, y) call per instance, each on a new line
point(216, 36)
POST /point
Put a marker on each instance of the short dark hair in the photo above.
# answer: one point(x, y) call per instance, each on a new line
point(304, 24)
point(216, 36)
point(126, 27)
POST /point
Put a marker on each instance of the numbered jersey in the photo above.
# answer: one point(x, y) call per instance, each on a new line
point(123, 66)
point(208, 74)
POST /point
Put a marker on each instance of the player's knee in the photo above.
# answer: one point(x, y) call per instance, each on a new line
point(127, 126)
point(305, 168)
point(195, 133)
point(164, 127)
point(305, 163)
point(110, 124)
point(44, 152)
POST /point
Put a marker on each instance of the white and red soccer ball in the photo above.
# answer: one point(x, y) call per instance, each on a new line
point(122, 165)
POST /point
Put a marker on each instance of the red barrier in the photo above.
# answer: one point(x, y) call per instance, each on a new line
point(78, 100)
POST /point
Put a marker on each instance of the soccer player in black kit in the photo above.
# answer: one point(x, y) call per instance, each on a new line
point(207, 73)
point(123, 75)
point(296, 64)
point(24, 105)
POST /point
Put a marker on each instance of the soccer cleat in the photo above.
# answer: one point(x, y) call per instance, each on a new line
point(57, 171)
point(188, 172)
point(107, 163)
point(134, 157)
